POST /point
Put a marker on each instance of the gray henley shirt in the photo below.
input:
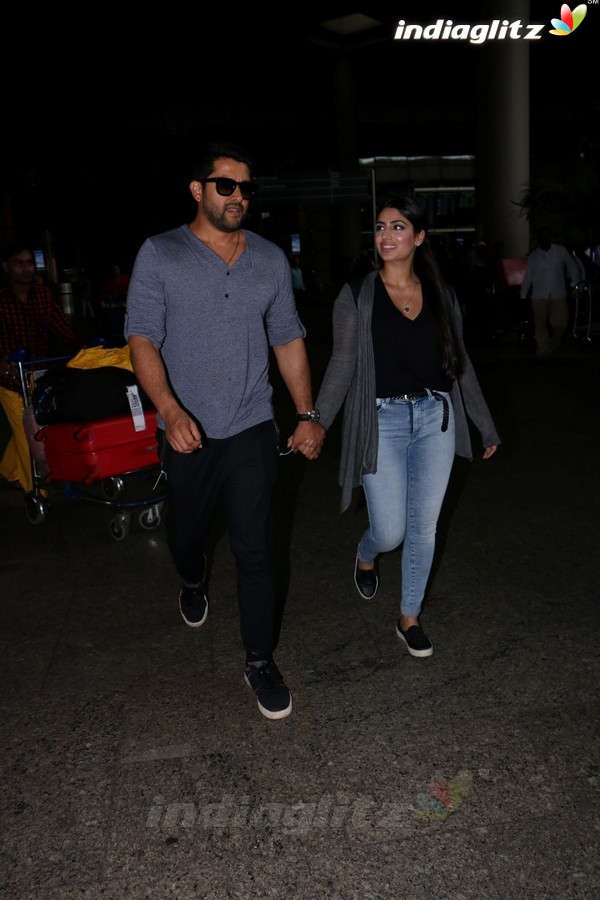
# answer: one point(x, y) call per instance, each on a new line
point(214, 325)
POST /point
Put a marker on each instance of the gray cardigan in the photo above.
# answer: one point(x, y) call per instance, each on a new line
point(350, 376)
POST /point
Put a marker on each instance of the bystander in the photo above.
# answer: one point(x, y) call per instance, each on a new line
point(30, 318)
point(550, 272)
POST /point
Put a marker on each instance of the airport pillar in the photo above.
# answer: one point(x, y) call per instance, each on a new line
point(503, 154)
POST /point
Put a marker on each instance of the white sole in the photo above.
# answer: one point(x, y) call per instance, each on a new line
point(194, 624)
point(269, 713)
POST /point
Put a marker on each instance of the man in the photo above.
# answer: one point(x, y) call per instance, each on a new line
point(29, 318)
point(205, 303)
point(550, 271)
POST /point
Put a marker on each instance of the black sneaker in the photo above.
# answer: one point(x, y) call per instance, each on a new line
point(366, 581)
point(193, 603)
point(417, 642)
point(273, 697)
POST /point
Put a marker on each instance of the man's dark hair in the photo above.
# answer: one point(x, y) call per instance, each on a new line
point(204, 165)
point(13, 248)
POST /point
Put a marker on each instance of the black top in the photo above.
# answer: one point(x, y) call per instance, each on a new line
point(407, 353)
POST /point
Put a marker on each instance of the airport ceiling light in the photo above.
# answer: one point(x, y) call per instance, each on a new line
point(352, 24)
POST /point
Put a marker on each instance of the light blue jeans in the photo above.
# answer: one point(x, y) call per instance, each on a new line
point(404, 497)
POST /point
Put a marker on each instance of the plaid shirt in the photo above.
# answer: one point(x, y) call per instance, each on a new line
point(31, 325)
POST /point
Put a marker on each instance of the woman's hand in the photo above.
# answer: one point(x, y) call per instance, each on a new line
point(307, 439)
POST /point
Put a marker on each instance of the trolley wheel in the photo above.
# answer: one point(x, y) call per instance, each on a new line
point(150, 518)
point(119, 526)
point(112, 487)
point(35, 509)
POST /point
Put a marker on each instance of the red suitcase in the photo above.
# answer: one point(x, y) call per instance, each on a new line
point(92, 451)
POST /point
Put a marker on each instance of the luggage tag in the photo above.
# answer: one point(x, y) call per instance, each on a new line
point(137, 410)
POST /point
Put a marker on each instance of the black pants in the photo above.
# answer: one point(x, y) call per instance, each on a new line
point(242, 469)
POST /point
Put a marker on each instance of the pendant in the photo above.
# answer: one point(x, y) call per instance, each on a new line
point(406, 309)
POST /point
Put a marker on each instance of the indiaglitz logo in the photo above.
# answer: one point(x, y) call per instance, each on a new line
point(568, 21)
point(496, 30)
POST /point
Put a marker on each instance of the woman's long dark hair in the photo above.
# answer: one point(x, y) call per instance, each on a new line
point(439, 294)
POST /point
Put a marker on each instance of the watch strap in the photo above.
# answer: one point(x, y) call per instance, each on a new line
point(312, 416)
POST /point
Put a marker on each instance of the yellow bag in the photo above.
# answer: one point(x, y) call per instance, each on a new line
point(97, 357)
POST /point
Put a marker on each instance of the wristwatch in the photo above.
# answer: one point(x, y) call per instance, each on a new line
point(313, 416)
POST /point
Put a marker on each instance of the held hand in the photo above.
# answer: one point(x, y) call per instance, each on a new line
point(307, 439)
point(489, 451)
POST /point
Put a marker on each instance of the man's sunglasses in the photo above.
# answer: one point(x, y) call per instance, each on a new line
point(226, 186)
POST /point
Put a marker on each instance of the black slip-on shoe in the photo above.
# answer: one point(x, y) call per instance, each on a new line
point(417, 642)
point(366, 581)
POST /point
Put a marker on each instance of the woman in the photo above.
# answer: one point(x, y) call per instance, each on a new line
point(400, 365)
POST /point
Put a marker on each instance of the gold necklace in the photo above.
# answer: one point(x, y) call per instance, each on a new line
point(406, 308)
point(234, 250)
point(208, 243)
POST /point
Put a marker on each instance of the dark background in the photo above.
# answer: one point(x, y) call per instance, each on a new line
point(102, 115)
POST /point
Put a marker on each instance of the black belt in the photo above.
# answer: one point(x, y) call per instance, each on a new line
point(418, 395)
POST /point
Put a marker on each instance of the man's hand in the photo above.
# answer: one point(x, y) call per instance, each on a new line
point(181, 432)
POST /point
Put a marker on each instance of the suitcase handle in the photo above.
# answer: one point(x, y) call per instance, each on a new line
point(82, 434)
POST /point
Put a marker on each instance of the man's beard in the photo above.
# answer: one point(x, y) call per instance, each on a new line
point(220, 220)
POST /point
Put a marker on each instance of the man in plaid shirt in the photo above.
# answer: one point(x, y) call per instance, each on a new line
point(29, 317)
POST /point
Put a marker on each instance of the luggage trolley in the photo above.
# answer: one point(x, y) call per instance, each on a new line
point(95, 461)
point(582, 311)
